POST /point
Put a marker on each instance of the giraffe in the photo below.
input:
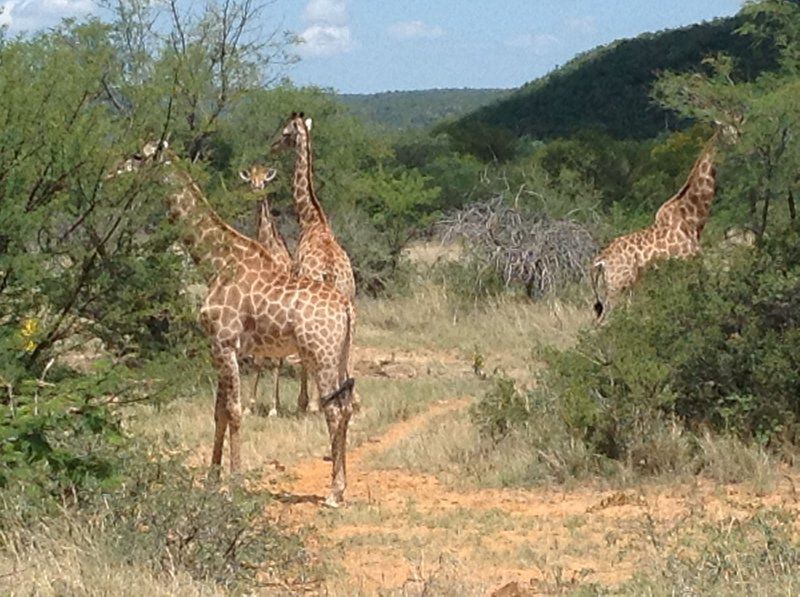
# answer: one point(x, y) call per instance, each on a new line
point(254, 308)
point(267, 233)
point(675, 232)
point(318, 256)
point(621, 263)
point(691, 205)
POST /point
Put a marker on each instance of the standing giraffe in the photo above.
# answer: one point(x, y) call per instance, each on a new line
point(319, 256)
point(676, 231)
point(254, 308)
point(267, 233)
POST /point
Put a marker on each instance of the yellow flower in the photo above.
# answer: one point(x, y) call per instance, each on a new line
point(29, 328)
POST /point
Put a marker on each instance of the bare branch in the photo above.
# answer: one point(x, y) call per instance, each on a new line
point(540, 253)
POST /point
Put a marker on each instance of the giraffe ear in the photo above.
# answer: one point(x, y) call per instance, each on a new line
point(308, 123)
point(271, 174)
point(244, 175)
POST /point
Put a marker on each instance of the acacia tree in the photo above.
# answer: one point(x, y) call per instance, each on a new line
point(78, 253)
point(761, 165)
point(205, 60)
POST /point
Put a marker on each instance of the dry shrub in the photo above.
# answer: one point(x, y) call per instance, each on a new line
point(542, 254)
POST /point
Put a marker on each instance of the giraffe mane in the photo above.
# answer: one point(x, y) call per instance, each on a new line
point(309, 160)
point(708, 149)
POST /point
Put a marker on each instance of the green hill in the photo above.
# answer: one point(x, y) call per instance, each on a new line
point(419, 109)
point(607, 89)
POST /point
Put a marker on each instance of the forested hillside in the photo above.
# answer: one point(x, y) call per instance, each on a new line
point(418, 109)
point(608, 89)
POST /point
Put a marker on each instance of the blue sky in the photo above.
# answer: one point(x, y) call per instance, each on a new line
point(380, 45)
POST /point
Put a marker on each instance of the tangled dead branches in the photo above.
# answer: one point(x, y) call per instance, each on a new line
point(542, 254)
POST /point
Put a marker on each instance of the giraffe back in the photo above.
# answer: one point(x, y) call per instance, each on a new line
point(621, 263)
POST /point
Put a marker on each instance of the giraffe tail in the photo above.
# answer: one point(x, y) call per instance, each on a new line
point(598, 269)
point(347, 383)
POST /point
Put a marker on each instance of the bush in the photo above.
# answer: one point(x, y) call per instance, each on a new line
point(521, 247)
point(57, 440)
point(161, 518)
point(708, 344)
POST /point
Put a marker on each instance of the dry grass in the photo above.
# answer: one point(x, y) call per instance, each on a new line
point(70, 560)
point(503, 330)
point(726, 459)
point(451, 448)
point(189, 421)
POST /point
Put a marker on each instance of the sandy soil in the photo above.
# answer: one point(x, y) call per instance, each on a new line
point(399, 530)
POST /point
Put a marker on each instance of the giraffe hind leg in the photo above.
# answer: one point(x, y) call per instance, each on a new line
point(305, 401)
point(276, 383)
point(254, 397)
point(338, 411)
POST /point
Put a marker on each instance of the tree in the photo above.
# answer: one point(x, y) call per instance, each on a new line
point(764, 113)
point(205, 61)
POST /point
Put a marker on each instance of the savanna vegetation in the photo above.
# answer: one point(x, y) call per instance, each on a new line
point(104, 372)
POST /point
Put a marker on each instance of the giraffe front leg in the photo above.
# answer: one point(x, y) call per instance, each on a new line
point(230, 408)
point(220, 412)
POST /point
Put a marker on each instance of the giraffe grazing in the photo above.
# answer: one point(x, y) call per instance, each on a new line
point(318, 256)
point(267, 233)
point(676, 232)
point(253, 308)
point(691, 205)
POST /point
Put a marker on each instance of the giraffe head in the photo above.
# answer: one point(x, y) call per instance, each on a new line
point(153, 152)
point(296, 126)
point(729, 130)
point(259, 176)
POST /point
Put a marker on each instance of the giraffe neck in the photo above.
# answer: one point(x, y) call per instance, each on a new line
point(309, 211)
point(207, 238)
point(269, 235)
point(691, 205)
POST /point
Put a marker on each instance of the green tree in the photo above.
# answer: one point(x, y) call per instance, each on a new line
point(761, 167)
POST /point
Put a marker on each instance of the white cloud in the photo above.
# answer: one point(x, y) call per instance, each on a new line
point(326, 12)
point(325, 40)
point(414, 30)
point(540, 44)
point(582, 24)
point(328, 32)
point(29, 15)
point(5, 13)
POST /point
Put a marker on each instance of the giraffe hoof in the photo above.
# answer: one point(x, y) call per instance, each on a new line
point(272, 413)
point(333, 502)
